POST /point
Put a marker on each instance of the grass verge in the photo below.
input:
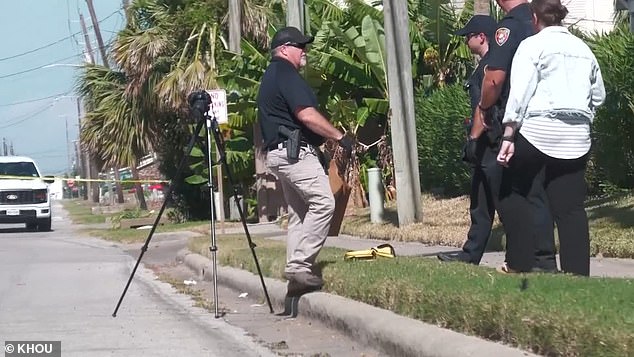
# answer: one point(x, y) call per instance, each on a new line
point(446, 222)
point(554, 315)
point(81, 212)
point(140, 235)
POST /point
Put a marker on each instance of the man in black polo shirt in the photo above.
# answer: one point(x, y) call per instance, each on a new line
point(481, 153)
point(512, 29)
point(285, 100)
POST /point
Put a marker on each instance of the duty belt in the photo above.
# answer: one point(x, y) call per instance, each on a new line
point(282, 145)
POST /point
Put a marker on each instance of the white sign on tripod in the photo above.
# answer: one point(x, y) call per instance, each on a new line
point(219, 105)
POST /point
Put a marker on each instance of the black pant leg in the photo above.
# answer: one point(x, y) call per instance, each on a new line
point(544, 226)
point(521, 180)
point(485, 185)
point(566, 188)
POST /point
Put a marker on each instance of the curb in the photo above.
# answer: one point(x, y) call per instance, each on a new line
point(394, 334)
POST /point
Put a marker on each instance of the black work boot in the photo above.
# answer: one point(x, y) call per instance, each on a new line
point(302, 282)
point(454, 257)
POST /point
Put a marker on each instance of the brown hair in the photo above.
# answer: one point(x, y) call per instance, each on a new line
point(549, 12)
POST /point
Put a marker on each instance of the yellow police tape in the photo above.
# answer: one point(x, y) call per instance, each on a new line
point(80, 179)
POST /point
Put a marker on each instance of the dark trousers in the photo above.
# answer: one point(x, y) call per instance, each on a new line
point(485, 184)
point(563, 181)
point(486, 181)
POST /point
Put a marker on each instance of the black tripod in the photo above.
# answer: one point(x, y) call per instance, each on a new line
point(200, 103)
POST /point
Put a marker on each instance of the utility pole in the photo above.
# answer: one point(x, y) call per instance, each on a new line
point(126, 8)
point(91, 57)
point(235, 14)
point(95, 25)
point(104, 58)
point(401, 93)
point(295, 14)
point(70, 164)
point(235, 37)
point(91, 167)
point(82, 160)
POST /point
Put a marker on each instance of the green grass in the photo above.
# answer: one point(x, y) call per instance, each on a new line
point(558, 315)
point(80, 212)
point(140, 235)
point(446, 222)
point(612, 226)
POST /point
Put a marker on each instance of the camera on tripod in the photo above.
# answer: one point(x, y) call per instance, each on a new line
point(199, 103)
point(202, 109)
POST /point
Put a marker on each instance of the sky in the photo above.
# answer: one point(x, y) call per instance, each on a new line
point(38, 108)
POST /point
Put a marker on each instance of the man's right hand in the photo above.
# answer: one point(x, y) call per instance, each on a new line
point(346, 143)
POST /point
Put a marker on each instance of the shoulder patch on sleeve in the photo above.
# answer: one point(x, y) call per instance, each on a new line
point(502, 35)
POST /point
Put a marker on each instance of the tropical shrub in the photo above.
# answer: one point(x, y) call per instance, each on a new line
point(440, 135)
point(613, 128)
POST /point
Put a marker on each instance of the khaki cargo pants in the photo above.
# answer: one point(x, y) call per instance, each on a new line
point(310, 205)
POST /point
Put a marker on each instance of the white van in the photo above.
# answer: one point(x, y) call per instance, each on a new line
point(24, 194)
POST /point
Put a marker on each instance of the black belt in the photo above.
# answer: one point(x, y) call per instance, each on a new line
point(282, 145)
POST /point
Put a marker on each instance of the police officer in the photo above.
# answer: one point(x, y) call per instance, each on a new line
point(285, 104)
point(512, 29)
point(481, 153)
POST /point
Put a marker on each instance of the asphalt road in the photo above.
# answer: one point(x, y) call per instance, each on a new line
point(55, 286)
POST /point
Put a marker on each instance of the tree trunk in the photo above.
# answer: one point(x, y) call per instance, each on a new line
point(117, 185)
point(138, 188)
point(357, 193)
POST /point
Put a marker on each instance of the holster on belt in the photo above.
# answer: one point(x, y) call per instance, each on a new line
point(293, 138)
point(494, 119)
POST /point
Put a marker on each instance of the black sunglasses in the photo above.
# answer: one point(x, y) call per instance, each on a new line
point(471, 35)
point(296, 45)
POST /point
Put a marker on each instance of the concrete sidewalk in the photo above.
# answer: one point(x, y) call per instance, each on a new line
point(381, 329)
point(599, 267)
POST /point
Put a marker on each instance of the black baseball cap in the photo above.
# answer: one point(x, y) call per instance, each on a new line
point(479, 24)
point(290, 35)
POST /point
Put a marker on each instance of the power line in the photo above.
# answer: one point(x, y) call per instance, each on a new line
point(35, 50)
point(39, 67)
point(34, 100)
point(28, 116)
point(55, 42)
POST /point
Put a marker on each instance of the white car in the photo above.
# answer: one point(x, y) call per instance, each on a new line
point(24, 194)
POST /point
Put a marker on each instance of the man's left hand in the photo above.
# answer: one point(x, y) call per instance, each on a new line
point(469, 150)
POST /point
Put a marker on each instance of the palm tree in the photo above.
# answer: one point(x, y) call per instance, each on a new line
point(116, 129)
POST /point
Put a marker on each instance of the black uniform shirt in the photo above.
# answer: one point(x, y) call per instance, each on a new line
point(513, 29)
point(282, 91)
point(475, 81)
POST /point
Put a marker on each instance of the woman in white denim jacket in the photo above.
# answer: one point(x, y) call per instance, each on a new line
point(556, 86)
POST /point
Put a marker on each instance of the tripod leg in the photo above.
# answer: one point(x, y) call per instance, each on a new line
point(168, 195)
point(223, 160)
point(213, 249)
